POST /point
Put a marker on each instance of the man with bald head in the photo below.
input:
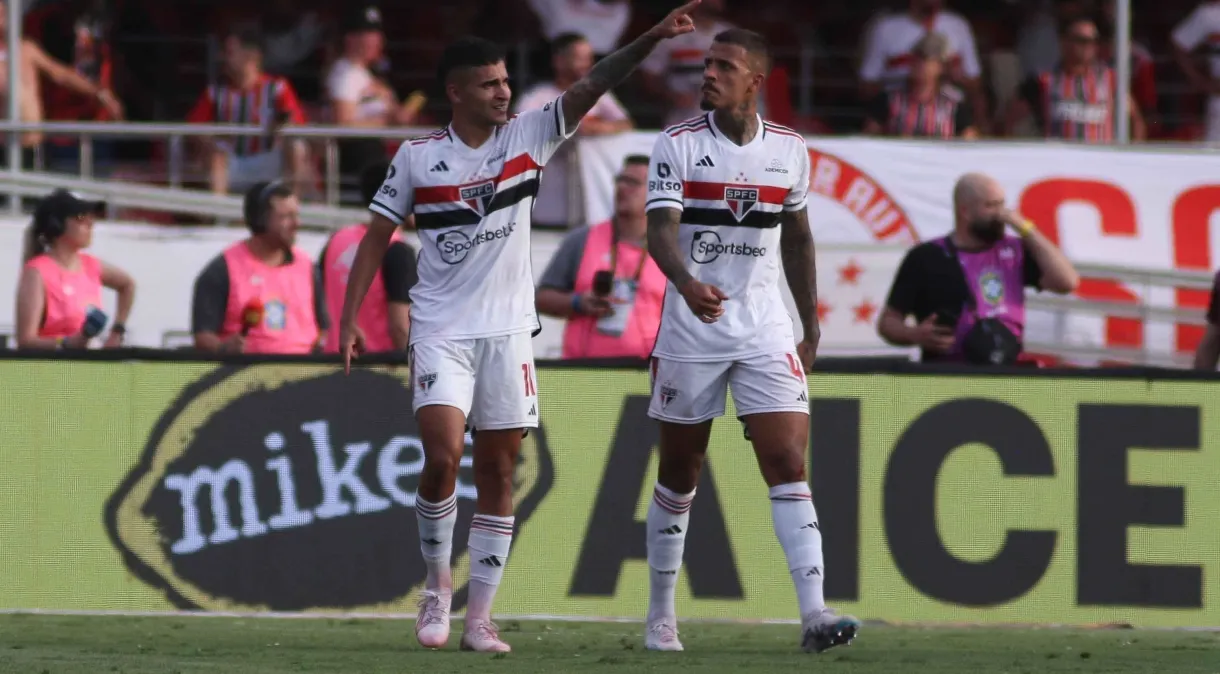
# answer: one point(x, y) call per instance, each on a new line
point(966, 291)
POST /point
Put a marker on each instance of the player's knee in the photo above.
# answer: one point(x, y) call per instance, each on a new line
point(495, 474)
point(783, 467)
point(442, 463)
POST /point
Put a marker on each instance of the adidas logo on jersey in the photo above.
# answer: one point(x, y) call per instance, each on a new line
point(440, 166)
point(705, 162)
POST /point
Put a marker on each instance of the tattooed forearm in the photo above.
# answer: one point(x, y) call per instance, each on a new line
point(608, 73)
point(797, 253)
point(663, 245)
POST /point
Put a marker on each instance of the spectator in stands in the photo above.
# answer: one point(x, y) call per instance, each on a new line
point(603, 281)
point(261, 295)
point(249, 96)
point(59, 294)
point(602, 22)
point(1075, 101)
point(361, 99)
point(35, 63)
point(1201, 28)
point(1208, 353)
point(1038, 37)
point(966, 290)
point(922, 109)
point(384, 321)
point(888, 57)
point(572, 59)
point(673, 73)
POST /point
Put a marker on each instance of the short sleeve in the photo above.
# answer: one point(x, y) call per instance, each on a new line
point(211, 297)
point(395, 197)
point(908, 287)
point(399, 272)
point(969, 52)
point(1031, 271)
point(561, 271)
point(666, 175)
point(1213, 305)
point(1193, 29)
point(344, 84)
point(544, 130)
point(795, 200)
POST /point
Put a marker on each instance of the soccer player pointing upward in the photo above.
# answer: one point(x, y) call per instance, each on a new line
point(726, 203)
point(470, 187)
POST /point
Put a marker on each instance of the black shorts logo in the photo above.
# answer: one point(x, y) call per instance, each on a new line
point(274, 487)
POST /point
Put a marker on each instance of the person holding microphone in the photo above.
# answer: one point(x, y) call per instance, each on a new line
point(261, 294)
point(384, 321)
point(59, 294)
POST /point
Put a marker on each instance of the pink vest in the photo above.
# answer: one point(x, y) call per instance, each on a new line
point(373, 318)
point(289, 325)
point(581, 338)
point(68, 294)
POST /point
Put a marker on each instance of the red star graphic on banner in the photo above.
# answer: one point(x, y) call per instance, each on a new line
point(864, 311)
point(823, 311)
point(851, 273)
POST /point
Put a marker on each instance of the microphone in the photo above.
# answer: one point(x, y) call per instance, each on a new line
point(251, 316)
point(95, 320)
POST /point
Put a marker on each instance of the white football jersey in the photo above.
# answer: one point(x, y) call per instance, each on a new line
point(472, 212)
point(731, 197)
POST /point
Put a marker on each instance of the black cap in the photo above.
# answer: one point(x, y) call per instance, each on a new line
point(362, 18)
point(62, 204)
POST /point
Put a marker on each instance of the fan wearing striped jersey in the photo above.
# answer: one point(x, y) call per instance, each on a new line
point(726, 205)
point(470, 188)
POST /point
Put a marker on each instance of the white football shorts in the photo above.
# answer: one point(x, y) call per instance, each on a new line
point(690, 393)
point(491, 379)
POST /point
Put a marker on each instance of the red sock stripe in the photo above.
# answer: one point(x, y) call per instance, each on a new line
point(435, 511)
point(491, 526)
point(439, 514)
point(671, 505)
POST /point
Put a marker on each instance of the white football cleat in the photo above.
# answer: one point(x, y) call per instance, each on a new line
point(483, 636)
point(432, 625)
point(662, 635)
point(825, 629)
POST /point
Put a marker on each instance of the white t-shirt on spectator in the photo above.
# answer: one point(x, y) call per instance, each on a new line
point(353, 83)
point(601, 23)
point(551, 205)
point(680, 61)
point(1203, 27)
point(888, 56)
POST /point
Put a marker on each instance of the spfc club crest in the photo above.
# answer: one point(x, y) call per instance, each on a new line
point(740, 200)
point(478, 197)
point(668, 393)
point(426, 381)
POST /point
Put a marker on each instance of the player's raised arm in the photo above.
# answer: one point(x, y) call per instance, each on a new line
point(613, 69)
point(796, 250)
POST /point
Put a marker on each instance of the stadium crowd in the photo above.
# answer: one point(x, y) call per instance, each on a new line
point(992, 68)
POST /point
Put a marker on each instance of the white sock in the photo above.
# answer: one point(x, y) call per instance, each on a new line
point(796, 526)
point(436, 522)
point(668, 517)
point(490, 539)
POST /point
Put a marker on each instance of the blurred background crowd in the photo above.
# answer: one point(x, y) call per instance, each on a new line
point(841, 68)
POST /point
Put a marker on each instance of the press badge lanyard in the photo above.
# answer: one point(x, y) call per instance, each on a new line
point(639, 268)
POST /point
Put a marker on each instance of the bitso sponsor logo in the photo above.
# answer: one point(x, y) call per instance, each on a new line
point(706, 246)
point(291, 488)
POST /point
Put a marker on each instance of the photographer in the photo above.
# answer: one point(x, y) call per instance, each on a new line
point(603, 281)
point(966, 291)
point(60, 290)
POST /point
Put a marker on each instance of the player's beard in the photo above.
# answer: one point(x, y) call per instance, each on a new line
point(706, 105)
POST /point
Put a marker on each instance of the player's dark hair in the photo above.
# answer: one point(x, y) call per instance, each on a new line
point(370, 180)
point(467, 52)
point(1065, 28)
point(565, 40)
point(755, 45)
point(256, 205)
point(636, 160)
point(248, 37)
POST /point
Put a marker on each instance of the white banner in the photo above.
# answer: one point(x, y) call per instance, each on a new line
point(1138, 207)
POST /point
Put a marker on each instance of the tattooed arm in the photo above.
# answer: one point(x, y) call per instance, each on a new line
point(663, 245)
point(610, 71)
point(797, 252)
